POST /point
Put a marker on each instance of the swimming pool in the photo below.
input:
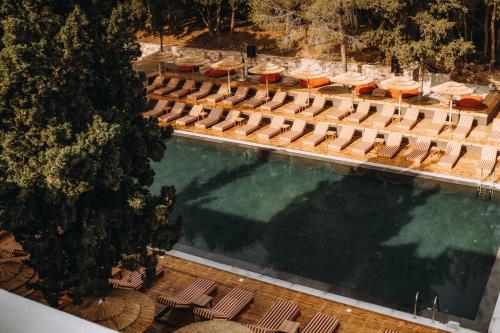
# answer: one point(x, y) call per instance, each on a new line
point(359, 235)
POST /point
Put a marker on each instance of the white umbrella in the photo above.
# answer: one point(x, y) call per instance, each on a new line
point(400, 83)
point(306, 74)
point(266, 69)
point(228, 65)
point(352, 79)
point(191, 60)
point(451, 89)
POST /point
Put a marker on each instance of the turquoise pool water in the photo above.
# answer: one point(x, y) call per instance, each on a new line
point(363, 237)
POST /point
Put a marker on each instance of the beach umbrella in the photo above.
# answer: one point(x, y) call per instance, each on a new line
point(191, 60)
point(14, 276)
point(307, 74)
point(352, 79)
point(400, 83)
point(214, 326)
point(228, 65)
point(122, 310)
point(452, 88)
point(266, 68)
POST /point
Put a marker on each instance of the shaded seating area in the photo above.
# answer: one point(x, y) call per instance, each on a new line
point(228, 307)
point(272, 319)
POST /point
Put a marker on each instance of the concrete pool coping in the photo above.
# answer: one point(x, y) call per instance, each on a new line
point(450, 327)
point(342, 160)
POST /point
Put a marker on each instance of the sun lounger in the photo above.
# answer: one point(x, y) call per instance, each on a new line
point(409, 120)
point(300, 102)
point(345, 137)
point(133, 280)
point(340, 109)
point(187, 87)
point(252, 125)
point(495, 131)
point(257, 100)
point(321, 323)
point(385, 116)
point(240, 94)
point(451, 155)
point(318, 135)
point(361, 113)
point(390, 331)
point(272, 319)
point(295, 132)
point(193, 116)
point(213, 118)
point(437, 122)
point(205, 89)
point(420, 150)
point(157, 83)
point(277, 101)
point(184, 299)
point(273, 129)
point(158, 110)
point(13, 251)
point(367, 141)
point(464, 126)
point(228, 307)
point(317, 106)
point(171, 86)
point(229, 122)
point(392, 145)
point(487, 162)
point(175, 113)
point(220, 95)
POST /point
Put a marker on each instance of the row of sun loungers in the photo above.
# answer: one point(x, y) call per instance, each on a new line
point(133, 280)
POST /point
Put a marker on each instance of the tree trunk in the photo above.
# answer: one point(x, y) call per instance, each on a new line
point(493, 39)
point(161, 36)
point(486, 34)
point(218, 19)
point(343, 55)
point(234, 6)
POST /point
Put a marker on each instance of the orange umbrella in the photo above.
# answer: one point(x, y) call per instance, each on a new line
point(451, 89)
point(399, 83)
point(307, 74)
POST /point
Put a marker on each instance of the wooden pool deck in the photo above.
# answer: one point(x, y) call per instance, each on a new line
point(181, 272)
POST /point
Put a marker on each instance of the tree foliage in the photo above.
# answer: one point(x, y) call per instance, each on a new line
point(74, 153)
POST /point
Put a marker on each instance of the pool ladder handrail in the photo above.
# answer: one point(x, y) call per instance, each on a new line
point(415, 306)
point(435, 307)
point(483, 192)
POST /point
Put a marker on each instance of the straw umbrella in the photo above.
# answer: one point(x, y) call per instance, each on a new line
point(228, 65)
point(214, 326)
point(122, 310)
point(14, 275)
point(399, 83)
point(307, 74)
point(266, 69)
point(451, 89)
point(352, 79)
point(191, 60)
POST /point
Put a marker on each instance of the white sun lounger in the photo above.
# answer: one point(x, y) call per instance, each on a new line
point(495, 131)
point(274, 128)
point(340, 109)
point(295, 132)
point(251, 126)
point(345, 137)
point(420, 150)
point(277, 101)
point(205, 89)
point(193, 116)
point(257, 100)
point(317, 106)
point(175, 113)
point(318, 135)
point(464, 126)
point(158, 110)
point(361, 113)
point(300, 102)
point(451, 154)
point(487, 162)
point(437, 124)
point(367, 142)
point(171, 86)
point(213, 118)
point(392, 145)
point(157, 83)
point(229, 122)
point(240, 94)
point(220, 95)
point(385, 116)
point(187, 87)
point(409, 121)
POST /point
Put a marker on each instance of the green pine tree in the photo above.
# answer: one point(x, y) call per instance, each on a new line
point(74, 153)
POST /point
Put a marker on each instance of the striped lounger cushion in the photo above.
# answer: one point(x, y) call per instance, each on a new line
point(133, 280)
point(12, 250)
point(228, 307)
point(199, 287)
point(280, 311)
point(390, 331)
point(322, 323)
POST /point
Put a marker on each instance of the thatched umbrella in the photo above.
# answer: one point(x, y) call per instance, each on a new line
point(14, 276)
point(307, 74)
point(191, 60)
point(451, 89)
point(400, 83)
point(352, 79)
point(214, 326)
point(122, 310)
point(266, 68)
point(228, 65)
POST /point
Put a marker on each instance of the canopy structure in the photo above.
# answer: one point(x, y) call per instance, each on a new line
point(14, 276)
point(191, 60)
point(228, 65)
point(122, 310)
point(214, 326)
point(352, 79)
point(452, 88)
point(266, 68)
point(307, 74)
point(400, 83)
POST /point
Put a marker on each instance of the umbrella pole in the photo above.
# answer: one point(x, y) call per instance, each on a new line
point(451, 109)
point(228, 83)
point(400, 100)
point(267, 86)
